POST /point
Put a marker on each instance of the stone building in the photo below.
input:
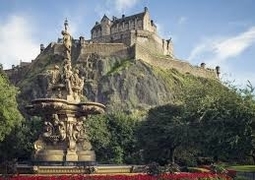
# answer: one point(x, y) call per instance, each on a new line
point(130, 30)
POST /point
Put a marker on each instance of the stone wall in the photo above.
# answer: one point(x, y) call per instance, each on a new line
point(168, 63)
point(124, 37)
point(144, 49)
point(106, 49)
point(153, 42)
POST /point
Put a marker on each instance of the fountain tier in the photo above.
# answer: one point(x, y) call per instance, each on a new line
point(64, 137)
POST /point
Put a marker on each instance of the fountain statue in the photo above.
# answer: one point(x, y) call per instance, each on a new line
point(64, 135)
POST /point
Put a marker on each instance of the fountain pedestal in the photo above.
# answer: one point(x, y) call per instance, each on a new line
point(64, 136)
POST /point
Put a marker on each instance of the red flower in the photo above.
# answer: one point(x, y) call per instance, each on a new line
point(179, 176)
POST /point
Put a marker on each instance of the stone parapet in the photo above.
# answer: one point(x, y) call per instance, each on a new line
point(166, 62)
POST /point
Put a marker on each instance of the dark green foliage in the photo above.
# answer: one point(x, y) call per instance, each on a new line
point(224, 118)
point(19, 143)
point(9, 113)
point(162, 132)
point(112, 136)
point(99, 136)
point(211, 120)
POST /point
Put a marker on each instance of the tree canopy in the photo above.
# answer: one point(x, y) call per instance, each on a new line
point(210, 119)
point(113, 137)
point(9, 113)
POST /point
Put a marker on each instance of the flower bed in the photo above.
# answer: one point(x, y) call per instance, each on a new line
point(180, 176)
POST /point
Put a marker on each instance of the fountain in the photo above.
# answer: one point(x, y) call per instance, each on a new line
point(63, 141)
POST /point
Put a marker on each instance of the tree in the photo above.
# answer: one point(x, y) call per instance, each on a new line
point(224, 115)
point(213, 119)
point(9, 113)
point(19, 143)
point(164, 130)
point(123, 142)
point(99, 136)
point(112, 137)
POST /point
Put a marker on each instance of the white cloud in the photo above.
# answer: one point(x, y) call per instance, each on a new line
point(234, 46)
point(16, 41)
point(217, 50)
point(220, 50)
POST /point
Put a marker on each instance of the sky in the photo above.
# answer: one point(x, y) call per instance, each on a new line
point(215, 32)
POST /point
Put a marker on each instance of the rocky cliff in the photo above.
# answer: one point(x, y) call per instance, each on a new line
point(121, 84)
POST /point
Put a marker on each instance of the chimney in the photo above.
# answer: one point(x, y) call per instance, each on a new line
point(217, 68)
point(202, 65)
point(114, 18)
point(42, 47)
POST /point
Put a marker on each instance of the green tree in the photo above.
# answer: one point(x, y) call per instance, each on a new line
point(112, 136)
point(211, 120)
point(123, 142)
point(224, 117)
point(9, 113)
point(99, 136)
point(164, 130)
point(19, 143)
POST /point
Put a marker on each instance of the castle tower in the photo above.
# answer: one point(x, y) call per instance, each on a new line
point(148, 24)
point(105, 25)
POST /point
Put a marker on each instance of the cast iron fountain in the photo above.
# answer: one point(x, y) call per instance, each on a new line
point(64, 138)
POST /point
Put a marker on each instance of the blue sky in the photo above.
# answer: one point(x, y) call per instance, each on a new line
point(216, 32)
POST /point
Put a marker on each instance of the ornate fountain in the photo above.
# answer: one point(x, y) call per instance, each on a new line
point(64, 135)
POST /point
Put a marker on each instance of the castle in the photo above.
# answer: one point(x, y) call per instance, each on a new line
point(131, 37)
point(131, 30)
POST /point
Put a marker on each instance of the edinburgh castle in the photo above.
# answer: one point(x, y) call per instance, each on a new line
point(128, 37)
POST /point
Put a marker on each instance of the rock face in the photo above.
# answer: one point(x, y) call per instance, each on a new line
point(120, 84)
point(134, 87)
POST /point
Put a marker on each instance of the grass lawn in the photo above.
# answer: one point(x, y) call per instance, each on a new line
point(243, 168)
